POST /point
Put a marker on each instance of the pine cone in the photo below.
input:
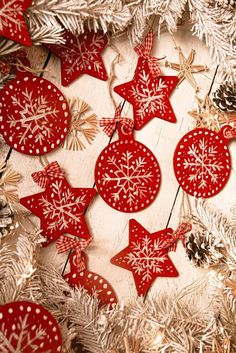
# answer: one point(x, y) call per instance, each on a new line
point(225, 97)
point(6, 218)
point(204, 250)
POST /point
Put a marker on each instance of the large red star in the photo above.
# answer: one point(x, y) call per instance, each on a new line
point(146, 256)
point(60, 209)
point(79, 55)
point(12, 22)
point(148, 95)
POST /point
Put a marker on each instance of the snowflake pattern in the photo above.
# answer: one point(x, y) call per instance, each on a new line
point(61, 209)
point(12, 22)
point(81, 54)
point(27, 327)
point(146, 256)
point(35, 115)
point(127, 175)
point(202, 162)
point(148, 95)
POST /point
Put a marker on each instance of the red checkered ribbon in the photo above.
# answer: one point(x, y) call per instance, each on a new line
point(65, 243)
point(52, 170)
point(109, 124)
point(179, 234)
point(144, 50)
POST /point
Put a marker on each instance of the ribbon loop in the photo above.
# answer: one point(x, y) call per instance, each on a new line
point(144, 51)
point(42, 178)
point(229, 132)
point(109, 124)
point(179, 234)
point(65, 243)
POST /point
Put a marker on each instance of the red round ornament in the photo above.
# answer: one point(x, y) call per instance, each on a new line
point(202, 161)
point(34, 115)
point(127, 174)
point(27, 327)
point(91, 281)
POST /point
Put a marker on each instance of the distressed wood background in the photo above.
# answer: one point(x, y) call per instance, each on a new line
point(108, 226)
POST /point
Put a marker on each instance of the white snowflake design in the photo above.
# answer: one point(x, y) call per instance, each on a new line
point(130, 177)
point(62, 208)
point(35, 112)
point(26, 338)
point(149, 96)
point(10, 13)
point(146, 258)
point(203, 163)
point(81, 56)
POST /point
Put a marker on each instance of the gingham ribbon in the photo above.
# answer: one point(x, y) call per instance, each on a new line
point(65, 243)
point(179, 234)
point(109, 124)
point(43, 177)
point(144, 50)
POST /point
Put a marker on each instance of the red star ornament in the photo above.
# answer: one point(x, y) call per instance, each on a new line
point(146, 256)
point(149, 95)
point(91, 281)
point(81, 54)
point(12, 22)
point(60, 207)
point(34, 115)
point(202, 161)
point(28, 327)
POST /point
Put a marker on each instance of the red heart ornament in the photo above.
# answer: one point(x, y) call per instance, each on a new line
point(127, 174)
point(202, 161)
point(27, 327)
point(34, 115)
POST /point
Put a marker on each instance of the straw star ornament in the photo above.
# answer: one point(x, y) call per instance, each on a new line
point(186, 68)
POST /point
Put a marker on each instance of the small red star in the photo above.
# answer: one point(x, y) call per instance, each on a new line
point(12, 22)
point(148, 95)
point(60, 208)
point(79, 55)
point(146, 256)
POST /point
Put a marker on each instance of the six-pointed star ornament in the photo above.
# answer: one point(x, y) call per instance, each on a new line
point(149, 95)
point(81, 54)
point(208, 116)
point(12, 22)
point(186, 69)
point(146, 256)
point(60, 207)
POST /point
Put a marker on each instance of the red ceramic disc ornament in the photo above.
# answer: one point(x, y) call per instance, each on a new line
point(149, 95)
point(60, 207)
point(34, 115)
point(26, 327)
point(202, 161)
point(146, 256)
point(127, 174)
point(81, 54)
point(91, 281)
point(12, 22)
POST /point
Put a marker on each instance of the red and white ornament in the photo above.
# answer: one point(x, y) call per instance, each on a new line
point(149, 95)
point(34, 115)
point(91, 281)
point(127, 174)
point(60, 207)
point(28, 327)
point(202, 161)
point(146, 256)
point(12, 22)
point(81, 54)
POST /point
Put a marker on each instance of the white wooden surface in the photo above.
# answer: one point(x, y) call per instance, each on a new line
point(108, 226)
